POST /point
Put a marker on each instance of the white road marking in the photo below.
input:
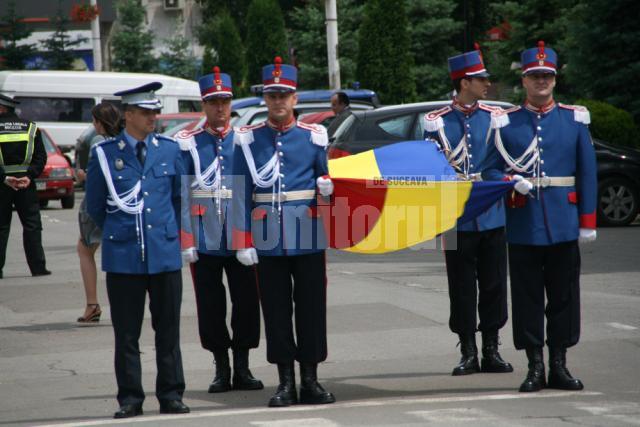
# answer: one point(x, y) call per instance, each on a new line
point(620, 411)
point(346, 405)
point(299, 422)
point(622, 326)
point(453, 414)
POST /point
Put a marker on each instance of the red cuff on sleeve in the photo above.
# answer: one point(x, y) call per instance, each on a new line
point(588, 220)
point(507, 178)
point(186, 240)
point(241, 239)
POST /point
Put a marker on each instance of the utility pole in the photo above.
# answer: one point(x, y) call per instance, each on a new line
point(95, 40)
point(331, 13)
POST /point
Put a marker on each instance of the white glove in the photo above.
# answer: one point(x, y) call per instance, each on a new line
point(522, 186)
point(190, 255)
point(587, 235)
point(325, 186)
point(247, 256)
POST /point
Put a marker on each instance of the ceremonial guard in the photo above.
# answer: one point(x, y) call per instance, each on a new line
point(280, 167)
point(22, 159)
point(133, 195)
point(208, 159)
point(475, 252)
point(546, 148)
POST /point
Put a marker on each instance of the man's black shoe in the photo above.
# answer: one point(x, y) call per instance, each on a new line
point(41, 273)
point(469, 361)
point(243, 379)
point(222, 380)
point(286, 394)
point(559, 376)
point(491, 359)
point(173, 407)
point(311, 392)
point(535, 380)
point(128, 411)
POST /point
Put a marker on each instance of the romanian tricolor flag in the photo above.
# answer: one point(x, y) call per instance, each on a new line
point(398, 196)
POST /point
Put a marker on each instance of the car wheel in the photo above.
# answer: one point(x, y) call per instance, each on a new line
point(43, 203)
point(618, 202)
point(68, 202)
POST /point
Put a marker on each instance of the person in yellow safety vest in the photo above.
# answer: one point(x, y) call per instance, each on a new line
point(22, 159)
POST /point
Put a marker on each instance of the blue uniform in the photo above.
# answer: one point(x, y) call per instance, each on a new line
point(287, 227)
point(555, 212)
point(205, 213)
point(551, 147)
point(476, 255)
point(122, 250)
point(453, 126)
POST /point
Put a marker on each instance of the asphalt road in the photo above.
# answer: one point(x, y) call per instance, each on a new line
point(390, 349)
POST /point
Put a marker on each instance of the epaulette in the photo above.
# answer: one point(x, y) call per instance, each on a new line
point(318, 133)
point(500, 118)
point(489, 108)
point(103, 142)
point(580, 113)
point(433, 119)
point(244, 134)
point(165, 138)
point(186, 140)
point(187, 133)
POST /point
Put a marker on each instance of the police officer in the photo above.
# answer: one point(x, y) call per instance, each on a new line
point(22, 159)
point(206, 241)
point(133, 195)
point(476, 251)
point(280, 167)
point(546, 148)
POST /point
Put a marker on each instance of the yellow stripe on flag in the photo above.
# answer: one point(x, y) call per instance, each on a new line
point(357, 166)
point(412, 214)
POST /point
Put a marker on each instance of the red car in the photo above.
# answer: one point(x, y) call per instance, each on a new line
point(56, 180)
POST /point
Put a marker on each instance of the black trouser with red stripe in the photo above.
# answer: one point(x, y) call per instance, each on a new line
point(477, 276)
point(28, 209)
point(211, 301)
point(288, 285)
point(554, 270)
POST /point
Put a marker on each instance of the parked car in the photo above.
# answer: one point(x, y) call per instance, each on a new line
point(618, 168)
point(618, 184)
point(167, 121)
point(56, 180)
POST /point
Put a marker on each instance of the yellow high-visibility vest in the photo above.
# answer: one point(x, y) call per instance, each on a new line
point(27, 137)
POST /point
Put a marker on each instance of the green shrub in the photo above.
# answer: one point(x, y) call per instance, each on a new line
point(611, 124)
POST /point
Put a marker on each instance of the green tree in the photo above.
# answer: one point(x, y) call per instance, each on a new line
point(131, 43)
point(266, 37)
point(211, 9)
point(223, 47)
point(384, 59)
point(59, 55)
point(14, 30)
point(309, 39)
point(539, 20)
point(476, 17)
point(435, 36)
point(610, 124)
point(178, 60)
point(603, 56)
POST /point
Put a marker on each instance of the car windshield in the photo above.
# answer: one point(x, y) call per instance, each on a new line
point(344, 128)
point(48, 144)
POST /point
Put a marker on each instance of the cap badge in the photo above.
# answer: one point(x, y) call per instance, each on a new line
point(218, 87)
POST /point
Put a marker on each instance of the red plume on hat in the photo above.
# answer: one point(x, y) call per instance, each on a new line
point(278, 62)
point(476, 46)
point(541, 54)
point(216, 75)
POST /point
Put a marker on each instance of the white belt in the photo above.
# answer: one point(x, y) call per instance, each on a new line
point(553, 181)
point(475, 177)
point(285, 196)
point(208, 194)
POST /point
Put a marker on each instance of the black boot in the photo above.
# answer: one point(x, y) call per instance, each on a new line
point(286, 394)
point(222, 381)
point(311, 392)
point(559, 376)
point(491, 359)
point(535, 380)
point(469, 361)
point(242, 377)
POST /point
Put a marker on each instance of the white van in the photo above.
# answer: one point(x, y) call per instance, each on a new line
point(61, 101)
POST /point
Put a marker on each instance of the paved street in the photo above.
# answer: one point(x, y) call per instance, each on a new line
point(390, 349)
